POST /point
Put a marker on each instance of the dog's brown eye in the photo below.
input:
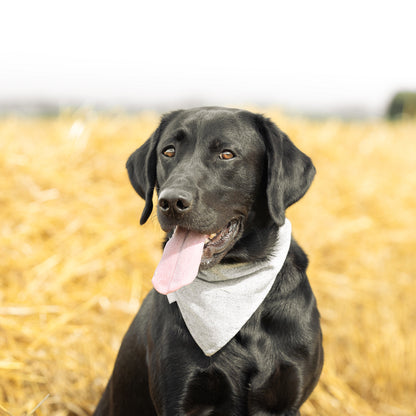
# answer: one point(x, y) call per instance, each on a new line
point(169, 151)
point(226, 155)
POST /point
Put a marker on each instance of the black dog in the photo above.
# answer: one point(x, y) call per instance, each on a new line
point(227, 175)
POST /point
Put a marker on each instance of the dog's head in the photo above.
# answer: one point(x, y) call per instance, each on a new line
point(218, 171)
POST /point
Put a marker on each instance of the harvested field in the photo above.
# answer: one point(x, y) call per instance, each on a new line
point(75, 264)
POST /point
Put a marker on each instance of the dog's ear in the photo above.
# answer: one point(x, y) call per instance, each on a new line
point(141, 167)
point(289, 171)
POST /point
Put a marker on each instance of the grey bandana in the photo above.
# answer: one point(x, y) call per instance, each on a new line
point(217, 304)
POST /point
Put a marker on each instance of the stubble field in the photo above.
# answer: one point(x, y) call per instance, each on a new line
point(75, 264)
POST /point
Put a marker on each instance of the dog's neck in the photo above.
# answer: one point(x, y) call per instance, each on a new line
point(221, 299)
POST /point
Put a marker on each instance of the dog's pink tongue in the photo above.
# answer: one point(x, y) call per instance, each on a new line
point(180, 261)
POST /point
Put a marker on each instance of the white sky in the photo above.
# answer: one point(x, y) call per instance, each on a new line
point(308, 55)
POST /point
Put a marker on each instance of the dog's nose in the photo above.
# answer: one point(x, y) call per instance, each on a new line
point(173, 201)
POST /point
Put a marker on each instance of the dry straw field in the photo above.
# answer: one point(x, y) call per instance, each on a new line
point(75, 264)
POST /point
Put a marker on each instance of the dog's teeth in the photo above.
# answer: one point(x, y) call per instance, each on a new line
point(212, 236)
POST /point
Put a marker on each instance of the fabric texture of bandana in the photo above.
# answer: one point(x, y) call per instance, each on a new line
point(221, 299)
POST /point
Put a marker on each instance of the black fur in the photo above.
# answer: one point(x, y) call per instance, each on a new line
point(272, 365)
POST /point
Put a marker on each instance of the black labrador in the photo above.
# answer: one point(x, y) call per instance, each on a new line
point(228, 174)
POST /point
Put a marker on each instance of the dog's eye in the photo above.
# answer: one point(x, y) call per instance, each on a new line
point(226, 155)
point(169, 151)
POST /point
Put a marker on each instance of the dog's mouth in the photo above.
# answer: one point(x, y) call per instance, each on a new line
point(188, 250)
point(218, 244)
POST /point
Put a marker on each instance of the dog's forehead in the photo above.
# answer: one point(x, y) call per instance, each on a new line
point(211, 124)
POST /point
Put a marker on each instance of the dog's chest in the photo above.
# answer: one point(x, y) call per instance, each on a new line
point(245, 377)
